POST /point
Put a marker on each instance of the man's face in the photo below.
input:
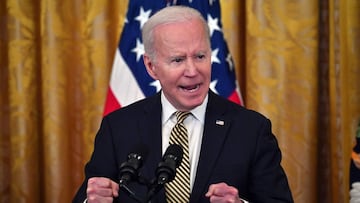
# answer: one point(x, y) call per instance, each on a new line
point(182, 63)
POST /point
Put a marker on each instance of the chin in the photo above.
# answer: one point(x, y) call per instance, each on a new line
point(193, 103)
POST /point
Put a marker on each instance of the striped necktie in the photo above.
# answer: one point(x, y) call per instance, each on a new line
point(178, 190)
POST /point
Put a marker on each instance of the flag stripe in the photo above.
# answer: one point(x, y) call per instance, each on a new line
point(234, 97)
point(111, 103)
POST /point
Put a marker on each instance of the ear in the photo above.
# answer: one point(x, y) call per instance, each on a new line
point(150, 66)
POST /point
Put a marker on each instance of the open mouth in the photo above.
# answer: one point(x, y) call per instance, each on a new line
point(191, 88)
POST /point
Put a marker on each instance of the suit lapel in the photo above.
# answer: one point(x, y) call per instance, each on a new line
point(215, 128)
point(150, 134)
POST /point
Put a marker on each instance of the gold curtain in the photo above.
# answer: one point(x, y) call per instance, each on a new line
point(297, 63)
point(281, 78)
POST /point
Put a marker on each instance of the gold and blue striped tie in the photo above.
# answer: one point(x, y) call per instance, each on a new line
point(178, 190)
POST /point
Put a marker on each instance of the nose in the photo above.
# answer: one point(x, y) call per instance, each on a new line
point(191, 68)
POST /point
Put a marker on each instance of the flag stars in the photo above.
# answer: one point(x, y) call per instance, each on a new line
point(213, 24)
point(143, 16)
point(230, 62)
point(213, 85)
point(214, 58)
point(139, 50)
point(211, 2)
point(156, 84)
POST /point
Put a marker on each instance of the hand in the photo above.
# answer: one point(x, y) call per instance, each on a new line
point(223, 193)
point(101, 190)
point(356, 159)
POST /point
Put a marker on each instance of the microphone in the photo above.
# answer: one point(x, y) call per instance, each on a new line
point(129, 170)
point(166, 169)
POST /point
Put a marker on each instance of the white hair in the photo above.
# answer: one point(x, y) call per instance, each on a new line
point(170, 14)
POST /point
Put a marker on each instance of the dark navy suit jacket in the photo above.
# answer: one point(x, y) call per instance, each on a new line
point(240, 150)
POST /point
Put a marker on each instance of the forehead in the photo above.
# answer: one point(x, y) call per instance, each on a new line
point(185, 34)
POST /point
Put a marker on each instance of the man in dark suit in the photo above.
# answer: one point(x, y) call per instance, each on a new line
point(233, 155)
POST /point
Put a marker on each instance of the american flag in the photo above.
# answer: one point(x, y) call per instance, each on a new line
point(129, 80)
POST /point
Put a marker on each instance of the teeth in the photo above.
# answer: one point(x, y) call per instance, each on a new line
point(191, 89)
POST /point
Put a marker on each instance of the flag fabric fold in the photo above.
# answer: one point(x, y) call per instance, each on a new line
point(129, 80)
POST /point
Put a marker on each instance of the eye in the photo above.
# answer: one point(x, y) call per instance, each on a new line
point(200, 56)
point(177, 59)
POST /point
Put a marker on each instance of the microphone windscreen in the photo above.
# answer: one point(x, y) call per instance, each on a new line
point(141, 150)
point(176, 151)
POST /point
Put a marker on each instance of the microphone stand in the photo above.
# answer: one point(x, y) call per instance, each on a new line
point(153, 188)
point(132, 194)
point(165, 172)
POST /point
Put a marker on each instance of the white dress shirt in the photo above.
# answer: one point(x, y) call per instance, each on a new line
point(194, 124)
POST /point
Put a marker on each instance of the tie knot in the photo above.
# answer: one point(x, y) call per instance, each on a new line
point(181, 116)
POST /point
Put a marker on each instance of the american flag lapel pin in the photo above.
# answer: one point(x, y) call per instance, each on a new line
point(220, 122)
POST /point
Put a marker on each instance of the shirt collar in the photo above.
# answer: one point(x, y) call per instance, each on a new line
point(168, 109)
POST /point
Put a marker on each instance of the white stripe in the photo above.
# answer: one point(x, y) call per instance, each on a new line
point(123, 83)
point(239, 92)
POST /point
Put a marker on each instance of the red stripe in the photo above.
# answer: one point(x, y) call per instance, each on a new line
point(234, 97)
point(111, 103)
